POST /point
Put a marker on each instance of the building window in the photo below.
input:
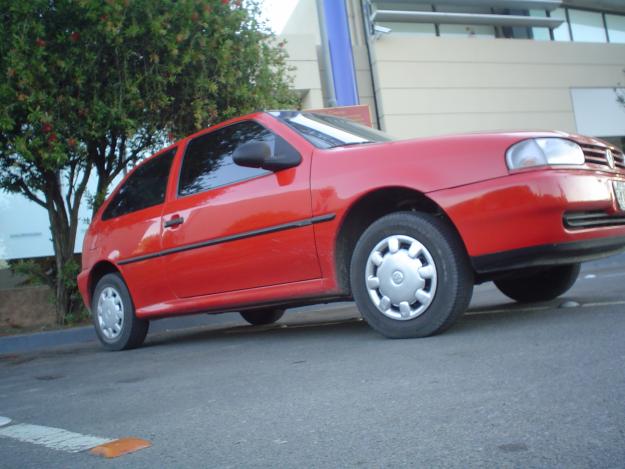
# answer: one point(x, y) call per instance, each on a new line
point(540, 34)
point(616, 28)
point(579, 25)
point(561, 33)
point(467, 30)
point(414, 29)
point(587, 26)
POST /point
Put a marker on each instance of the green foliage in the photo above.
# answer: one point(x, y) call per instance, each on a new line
point(103, 82)
point(38, 271)
point(88, 87)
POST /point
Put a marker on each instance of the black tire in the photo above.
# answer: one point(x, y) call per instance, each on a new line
point(259, 317)
point(132, 330)
point(454, 276)
point(542, 285)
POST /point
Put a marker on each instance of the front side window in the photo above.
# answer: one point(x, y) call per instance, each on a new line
point(144, 188)
point(208, 160)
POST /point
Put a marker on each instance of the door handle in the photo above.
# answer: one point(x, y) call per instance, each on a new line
point(174, 222)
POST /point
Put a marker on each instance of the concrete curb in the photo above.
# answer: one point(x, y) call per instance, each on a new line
point(40, 341)
point(46, 340)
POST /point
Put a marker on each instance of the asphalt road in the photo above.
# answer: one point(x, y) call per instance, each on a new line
point(508, 386)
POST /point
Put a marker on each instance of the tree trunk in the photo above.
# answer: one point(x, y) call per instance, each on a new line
point(63, 231)
point(63, 254)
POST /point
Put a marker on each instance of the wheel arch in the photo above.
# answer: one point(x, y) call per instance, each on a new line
point(99, 270)
point(371, 206)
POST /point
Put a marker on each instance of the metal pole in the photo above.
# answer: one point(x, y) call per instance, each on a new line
point(328, 77)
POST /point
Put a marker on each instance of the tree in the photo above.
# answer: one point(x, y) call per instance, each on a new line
point(88, 87)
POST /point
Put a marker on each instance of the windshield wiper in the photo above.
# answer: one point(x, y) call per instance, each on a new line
point(355, 143)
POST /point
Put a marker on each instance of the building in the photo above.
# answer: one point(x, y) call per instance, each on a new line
point(449, 66)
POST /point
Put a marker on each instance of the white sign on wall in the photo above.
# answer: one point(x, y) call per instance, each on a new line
point(25, 227)
point(597, 111)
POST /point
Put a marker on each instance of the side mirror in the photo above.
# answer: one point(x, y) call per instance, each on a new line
point(259, 155)
point(252, 154)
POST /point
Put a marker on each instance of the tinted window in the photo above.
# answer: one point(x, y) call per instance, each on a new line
point(208, 160)
point(144, 188)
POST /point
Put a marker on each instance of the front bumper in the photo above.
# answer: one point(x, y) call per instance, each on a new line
point(83, 287)
point(517, 221)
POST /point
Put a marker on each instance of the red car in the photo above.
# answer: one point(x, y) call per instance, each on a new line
point(280, 209)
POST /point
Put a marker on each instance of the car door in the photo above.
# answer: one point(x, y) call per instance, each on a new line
point(231, 227)
point(130, 229)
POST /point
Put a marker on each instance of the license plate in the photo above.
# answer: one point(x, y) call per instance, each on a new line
point(619, 192)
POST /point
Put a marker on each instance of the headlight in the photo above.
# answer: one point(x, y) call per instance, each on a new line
point(544, 152)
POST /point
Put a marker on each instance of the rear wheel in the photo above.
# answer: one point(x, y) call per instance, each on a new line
point(259, 317)
point(113, 315)
point(543, 285)
point(410, 276)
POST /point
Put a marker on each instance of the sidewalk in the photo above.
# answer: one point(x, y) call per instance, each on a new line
point(82, 335)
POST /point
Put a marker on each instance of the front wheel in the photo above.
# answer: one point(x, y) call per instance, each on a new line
point(410, 275)
point(259, 317)
point(114, 317)
point(543, 285)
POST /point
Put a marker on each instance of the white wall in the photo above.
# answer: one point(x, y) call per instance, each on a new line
point(25, 228)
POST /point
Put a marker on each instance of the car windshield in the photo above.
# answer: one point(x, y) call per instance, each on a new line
point(326, 131)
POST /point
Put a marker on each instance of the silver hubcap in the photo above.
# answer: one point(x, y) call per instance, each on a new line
point(110, 312)
point(401, 277)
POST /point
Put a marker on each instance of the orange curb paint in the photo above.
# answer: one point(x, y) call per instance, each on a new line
point(120, 447)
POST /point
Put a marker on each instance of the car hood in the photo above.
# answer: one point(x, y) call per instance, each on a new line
point(446, 161)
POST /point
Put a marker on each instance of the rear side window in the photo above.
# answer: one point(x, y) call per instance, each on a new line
point(208, 160)
point(144, 188)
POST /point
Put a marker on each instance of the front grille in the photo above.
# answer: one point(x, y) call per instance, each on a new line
point(592, 219)
point(595, 155)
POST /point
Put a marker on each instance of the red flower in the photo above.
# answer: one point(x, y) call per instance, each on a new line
point(75, 37)
point(40, 42)
point(225, 2)
point(46, 127)
point(52, 138)
point(71, 142)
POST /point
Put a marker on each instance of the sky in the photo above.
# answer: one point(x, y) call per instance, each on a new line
point(277, 12)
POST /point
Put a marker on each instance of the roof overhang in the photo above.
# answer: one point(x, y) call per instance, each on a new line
point(399, 16)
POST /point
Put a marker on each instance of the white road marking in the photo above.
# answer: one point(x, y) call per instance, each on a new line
point(53, 438)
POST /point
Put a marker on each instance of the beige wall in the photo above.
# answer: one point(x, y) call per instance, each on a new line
point(302, 50)
point(434, 86)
